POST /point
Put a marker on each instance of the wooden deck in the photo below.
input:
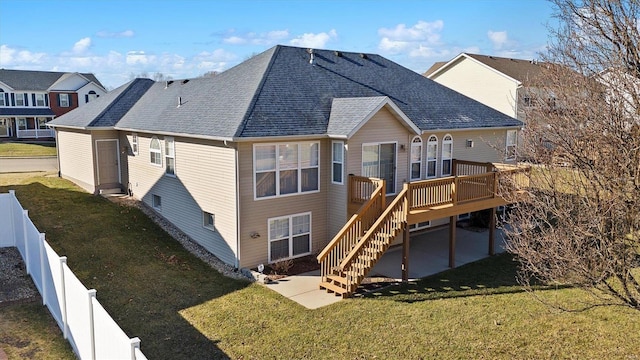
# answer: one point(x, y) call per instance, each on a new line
point(372, 228)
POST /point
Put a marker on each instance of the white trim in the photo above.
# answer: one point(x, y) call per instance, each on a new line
point(205, 215)
point(98, 160)
point(155, 151)
point(395, 110)
point(419, 162)
point(452, 61)
point(395, 167)
point(135, 141)
point(450, 158)
point(290, 236)
point(341, 162)
point(169, 140)
point(277, 169)
point(435, 159)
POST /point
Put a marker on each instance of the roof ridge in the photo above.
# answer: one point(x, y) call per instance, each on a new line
point(257, 92)
point(117, 100)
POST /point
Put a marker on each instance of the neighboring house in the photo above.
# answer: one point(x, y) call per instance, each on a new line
point(494, 81)
point(30, 99)
point(256, 163)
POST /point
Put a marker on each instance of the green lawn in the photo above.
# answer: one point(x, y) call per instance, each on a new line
point(10, 149)
point(182, 309)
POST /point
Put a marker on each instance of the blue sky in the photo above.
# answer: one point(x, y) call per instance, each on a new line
point(115, 39)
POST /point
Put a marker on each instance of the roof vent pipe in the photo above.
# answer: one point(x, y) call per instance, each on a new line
point(179, 101)
point(312, 59)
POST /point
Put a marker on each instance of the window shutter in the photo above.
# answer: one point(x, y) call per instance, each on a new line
point(70, 96)
point(46, 100)
point(33, 98)
point(6, 99)
point(13, 99)
point(58, 99)
point(86, 98)
point(26, 99)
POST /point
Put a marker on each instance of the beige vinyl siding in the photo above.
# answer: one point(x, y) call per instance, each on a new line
point(383, 127)
point(482, 84)
point(105, 135)
point(75, 152)
point(337, 195)
point(205, 180)
point(254, 214)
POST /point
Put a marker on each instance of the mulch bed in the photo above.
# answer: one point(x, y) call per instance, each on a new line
point(16, 285)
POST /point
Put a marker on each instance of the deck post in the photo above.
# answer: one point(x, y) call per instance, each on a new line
point(492, 231)
point(405, 254)
point(452, 241)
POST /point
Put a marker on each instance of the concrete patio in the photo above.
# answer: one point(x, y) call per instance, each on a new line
point(428, 255)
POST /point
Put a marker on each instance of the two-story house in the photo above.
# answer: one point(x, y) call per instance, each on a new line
point(30, 99)
point(277, 156)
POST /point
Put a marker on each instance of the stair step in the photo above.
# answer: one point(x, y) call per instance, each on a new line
point(337, 278)
point(331, 287)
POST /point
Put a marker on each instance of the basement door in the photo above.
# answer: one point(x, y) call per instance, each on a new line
point(108, 161)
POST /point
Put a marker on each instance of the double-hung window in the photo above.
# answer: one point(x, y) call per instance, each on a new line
point(170, 156)
point(22, 123)
point(289, 236)
point(134, 144)
point(447, 154)
point(42, 123)
point(432, 156)
point(337, 162)
point(20, 99)
point(64, 100)
point(286, 168)
point(2, 101)
point(155, 152)
point(512, 141)
point(40, 100)
point(416, 158)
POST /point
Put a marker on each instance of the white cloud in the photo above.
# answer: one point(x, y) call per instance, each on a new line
point(10, 57)
point(139, 57)
point(82, 45)
point(498, 38)
point(266, 38)
point(415, 39)
point(121, 34)
point(314, 40)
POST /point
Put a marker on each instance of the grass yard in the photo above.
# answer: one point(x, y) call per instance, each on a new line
point(10, 149)
point(27, 331)
point(182, 309)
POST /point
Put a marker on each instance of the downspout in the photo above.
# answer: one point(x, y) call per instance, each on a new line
point(58, 153)
point(237, 170)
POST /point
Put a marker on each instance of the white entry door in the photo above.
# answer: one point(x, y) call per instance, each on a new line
point(108, 161)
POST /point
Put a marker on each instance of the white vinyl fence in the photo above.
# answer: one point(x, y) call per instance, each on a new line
point(87, 326)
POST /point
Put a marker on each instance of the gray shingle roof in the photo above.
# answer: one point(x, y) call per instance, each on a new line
point(106, 110)
point(36, 80)
point(349, 114)
point(279, 93)
point(12, 111)
point(521, 70)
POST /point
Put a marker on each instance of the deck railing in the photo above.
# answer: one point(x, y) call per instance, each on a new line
point(376, 240)
point(358, 224)
point(463, 167)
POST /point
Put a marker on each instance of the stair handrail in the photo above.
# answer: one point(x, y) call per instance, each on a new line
point(369, 210)
point(400, 198)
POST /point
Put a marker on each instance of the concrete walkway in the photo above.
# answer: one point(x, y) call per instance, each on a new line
point(428, 255)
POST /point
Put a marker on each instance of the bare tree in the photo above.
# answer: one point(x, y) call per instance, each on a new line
point(580, 225)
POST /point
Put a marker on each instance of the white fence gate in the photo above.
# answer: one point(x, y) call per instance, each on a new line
point(87, 326)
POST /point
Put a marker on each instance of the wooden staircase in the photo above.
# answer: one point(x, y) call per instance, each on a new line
point(362, 241)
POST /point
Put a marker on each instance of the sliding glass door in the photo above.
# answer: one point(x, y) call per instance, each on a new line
point(379, 160)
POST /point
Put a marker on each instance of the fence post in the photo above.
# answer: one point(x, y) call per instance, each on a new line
point(63, 306)
point(25, 216)
point(92, 295)
point(13, 220)
point(42, 262)
point(135, 344)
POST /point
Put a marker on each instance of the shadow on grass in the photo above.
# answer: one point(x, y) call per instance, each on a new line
point(143, 276)
point(489, 276)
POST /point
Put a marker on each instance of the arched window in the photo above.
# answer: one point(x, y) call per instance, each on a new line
point(447, 154)
point(155, 151)
point(432, 156)
point(416, 158)
point(90, 96)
